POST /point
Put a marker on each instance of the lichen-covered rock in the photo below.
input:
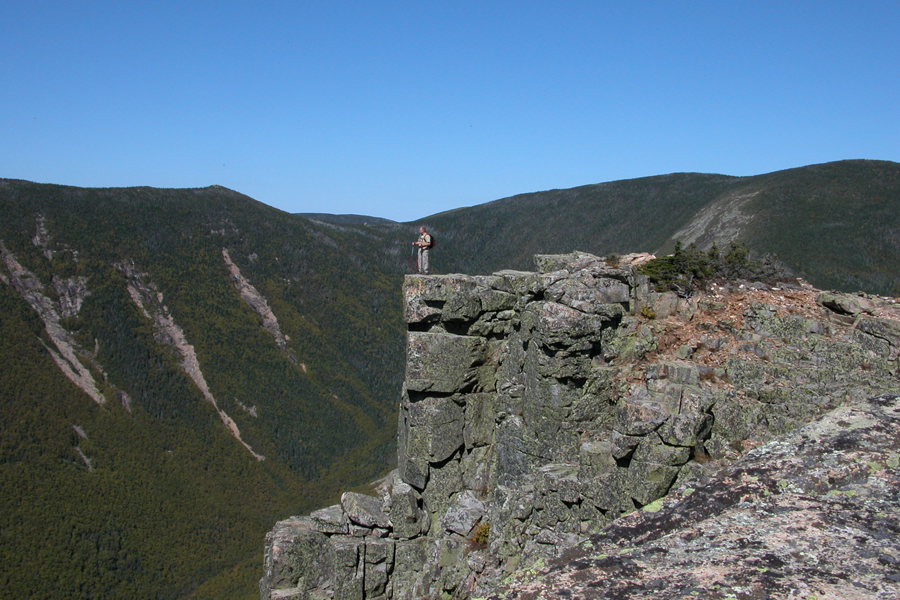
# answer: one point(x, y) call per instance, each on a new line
point(330, 520)
point(812, 515)
point(884, 329)
point(478, 426)
point(845, 303)
point(640, 417)
point(463, 514)
point(557, 324)
point(687, 429)
point(364, 510)
point(648, 481)
point(441, 362)
point(540, 409)
point(587, 294)
point(403, 504)
point(425, 296)
point(379, 563)
point(443, 484)
point(298, 559)
point(435, 428)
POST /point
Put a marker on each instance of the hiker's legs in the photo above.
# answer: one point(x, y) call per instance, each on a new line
point(423, 260)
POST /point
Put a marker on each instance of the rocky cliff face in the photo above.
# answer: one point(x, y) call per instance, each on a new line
point(541, 408)
point(813, 514)
point(71, 293)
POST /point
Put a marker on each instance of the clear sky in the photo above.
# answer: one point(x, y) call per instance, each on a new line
point(401, 109)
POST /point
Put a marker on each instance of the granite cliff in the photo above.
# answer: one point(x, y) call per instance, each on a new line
point(562, 429)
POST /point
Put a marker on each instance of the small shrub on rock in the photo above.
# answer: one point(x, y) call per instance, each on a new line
point(481, 534)
point(690, 268)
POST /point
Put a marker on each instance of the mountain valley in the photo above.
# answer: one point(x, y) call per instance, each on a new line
point(184, 368)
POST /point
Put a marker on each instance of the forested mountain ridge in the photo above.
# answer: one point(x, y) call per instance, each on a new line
point(180, 367)
point(297, 335)
point(836, 224)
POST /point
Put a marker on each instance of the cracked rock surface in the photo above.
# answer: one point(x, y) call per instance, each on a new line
point(815, 514)
point(644, 443)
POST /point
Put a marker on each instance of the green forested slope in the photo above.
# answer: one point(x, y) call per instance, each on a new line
point(624, 216)
point(173, 498)
point(836, 224)
point(173, 505)
point(167, 502)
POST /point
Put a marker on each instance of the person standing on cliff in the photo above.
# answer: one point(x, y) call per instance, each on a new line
point(425, 242)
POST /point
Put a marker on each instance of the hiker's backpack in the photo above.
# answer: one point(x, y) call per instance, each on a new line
point(433, 241)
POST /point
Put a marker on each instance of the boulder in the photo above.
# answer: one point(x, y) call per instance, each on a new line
point(635, 418)
point(425, 296)
point(441, 362)
point(687, 429)
point(463, 514)
point(407, 518)
point(330, 520)
point(885, 329)
point(364, 510)
point(845, 304)
point(434, 428)
point(298, 559)
point(587, 294)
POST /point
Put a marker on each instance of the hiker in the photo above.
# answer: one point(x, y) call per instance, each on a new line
point(425, 242)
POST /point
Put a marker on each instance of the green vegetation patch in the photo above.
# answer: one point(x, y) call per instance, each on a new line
point(690, 268)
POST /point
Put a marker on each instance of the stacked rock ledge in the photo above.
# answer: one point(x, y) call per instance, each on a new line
point(540, 407)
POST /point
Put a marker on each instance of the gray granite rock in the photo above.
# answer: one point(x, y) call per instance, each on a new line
point(540, 410)
point(815, 514)
point(364, 510)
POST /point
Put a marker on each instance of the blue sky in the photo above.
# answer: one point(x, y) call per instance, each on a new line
point(404, 109)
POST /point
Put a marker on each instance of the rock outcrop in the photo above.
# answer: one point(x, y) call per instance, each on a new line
point(251, 296)
point(70, 292)
point(813, 514)
point(540, 408)
point(167, 332)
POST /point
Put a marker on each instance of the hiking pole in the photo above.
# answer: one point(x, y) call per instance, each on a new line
point(413, 266)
